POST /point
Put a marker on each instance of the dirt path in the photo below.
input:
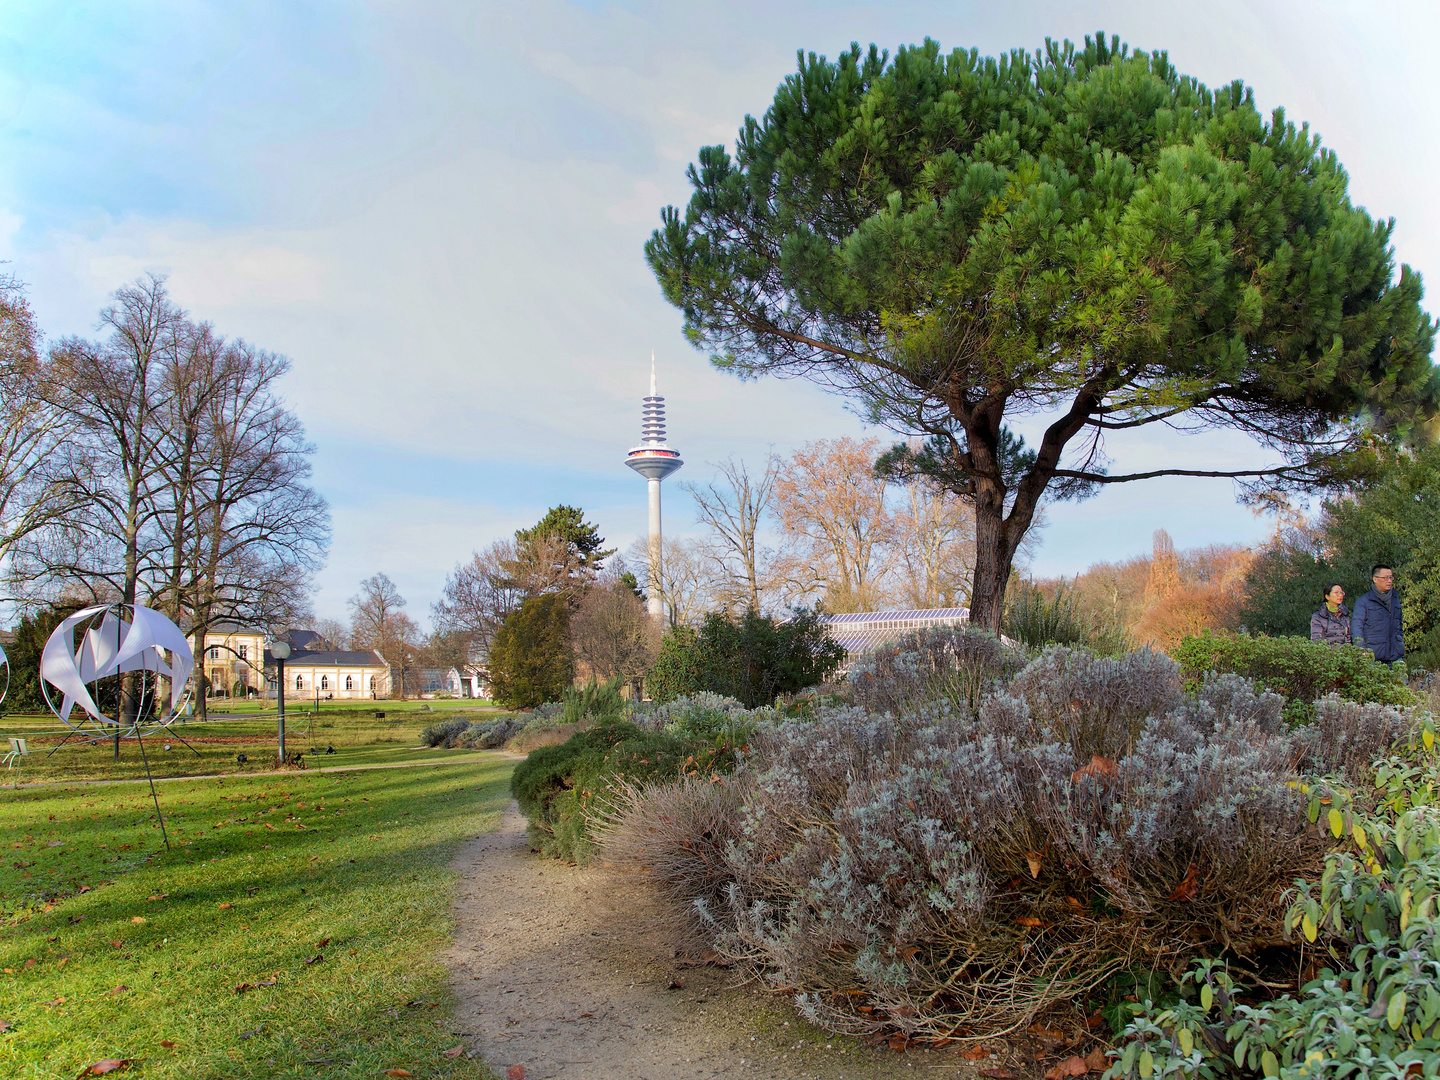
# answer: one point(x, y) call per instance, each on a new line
point(555, 971)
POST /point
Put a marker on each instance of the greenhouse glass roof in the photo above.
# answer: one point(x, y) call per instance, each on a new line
point(862, 631)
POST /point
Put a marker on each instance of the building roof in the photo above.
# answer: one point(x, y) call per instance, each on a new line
point(860, 631)
point(302, 639)
point(225, 626)
point(324, 658)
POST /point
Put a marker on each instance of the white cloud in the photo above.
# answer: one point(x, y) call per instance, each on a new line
point(452, 254)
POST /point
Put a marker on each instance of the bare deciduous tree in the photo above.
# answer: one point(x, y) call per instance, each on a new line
point(184, 480)
point(112, 392)
point(378, 621)
point(34, 435)
point(479, 594)
point(733, 505)
point(334, 634)
point(612, 632)
point(833, 512)
point(932, 546)
point(687, 577)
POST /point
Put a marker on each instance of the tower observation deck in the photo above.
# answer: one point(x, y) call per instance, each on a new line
point(654, 460)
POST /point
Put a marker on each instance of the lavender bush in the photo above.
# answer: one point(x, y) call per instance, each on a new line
point(946, 866)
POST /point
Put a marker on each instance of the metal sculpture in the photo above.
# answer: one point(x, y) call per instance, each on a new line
point(117, 640)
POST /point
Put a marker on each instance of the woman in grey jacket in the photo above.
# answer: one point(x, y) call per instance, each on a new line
point(1331, 624)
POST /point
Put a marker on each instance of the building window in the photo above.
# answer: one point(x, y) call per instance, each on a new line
point(214, 652)
point(372, 684)
point(324, 682)
point(299, 682)
point(244, 652)
point(349, 683)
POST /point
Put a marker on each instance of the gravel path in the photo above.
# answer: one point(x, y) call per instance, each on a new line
point(555, 971)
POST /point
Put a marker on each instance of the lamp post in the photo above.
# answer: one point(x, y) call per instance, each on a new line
point(281, 651)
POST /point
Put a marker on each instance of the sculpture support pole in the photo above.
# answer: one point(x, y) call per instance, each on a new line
point(280, 706)
point(656, 600)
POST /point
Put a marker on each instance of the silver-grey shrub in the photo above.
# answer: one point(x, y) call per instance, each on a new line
point(489, 734)
point(956, 664)
point(950, 867)
point(1097, 704)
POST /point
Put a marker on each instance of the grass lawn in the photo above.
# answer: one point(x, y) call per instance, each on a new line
point(295, 705)
point(357, 739)
point(292, 930)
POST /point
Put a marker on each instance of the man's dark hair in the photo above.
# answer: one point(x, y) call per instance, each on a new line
point(1329, 589)
point(1380, 566)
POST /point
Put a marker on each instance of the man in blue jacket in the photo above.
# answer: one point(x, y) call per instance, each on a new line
point(1376, 624)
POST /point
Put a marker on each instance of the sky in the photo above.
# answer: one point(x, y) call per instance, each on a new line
point(437, 211)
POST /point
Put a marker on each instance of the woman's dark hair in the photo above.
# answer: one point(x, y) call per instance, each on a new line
point(1329, 589)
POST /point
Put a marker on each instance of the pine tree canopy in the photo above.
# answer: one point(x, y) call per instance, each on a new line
point(1081, 234)
point(568, 524)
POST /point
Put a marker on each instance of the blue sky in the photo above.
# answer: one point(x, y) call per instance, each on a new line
point(437, 210)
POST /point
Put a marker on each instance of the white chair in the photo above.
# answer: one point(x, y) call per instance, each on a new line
point(19, 750)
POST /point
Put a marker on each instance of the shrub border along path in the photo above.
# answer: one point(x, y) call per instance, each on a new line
point(564, 970)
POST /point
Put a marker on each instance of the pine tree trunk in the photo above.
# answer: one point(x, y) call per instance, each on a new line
point(993, 555)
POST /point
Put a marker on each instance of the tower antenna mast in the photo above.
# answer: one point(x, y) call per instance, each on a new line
point(654, 460)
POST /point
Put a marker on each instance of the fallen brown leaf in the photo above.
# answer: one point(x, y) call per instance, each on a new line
point(1074, 1065)
point(323, 943)
point(118, 944)
point(137, 918)
point(1102, 768)
point(1096, 1061)
point(515, 1072)
point(31, 962)
point(120, 989)
point(1033, 858)
point(316, 958)
point(59, 1000)
point(108, 1065)
point(675, 984)
point(454, 1051)
point(224, 906)
point(999, 1074)
point(5, 1025)
point(898, 1042)
point(1189, 888)
point(167, 1044)
point(1029, 920)
point(974, 1053)
point(398, 1072)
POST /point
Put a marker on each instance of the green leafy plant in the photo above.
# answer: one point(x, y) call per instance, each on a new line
point(1374, 912)
point(591, 701)
point(563, 789)
point(530, 660)
point(1301, 669)
point(753, 658)
point(1038, 618)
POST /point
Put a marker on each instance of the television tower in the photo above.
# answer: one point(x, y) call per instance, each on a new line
point(655, 461)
